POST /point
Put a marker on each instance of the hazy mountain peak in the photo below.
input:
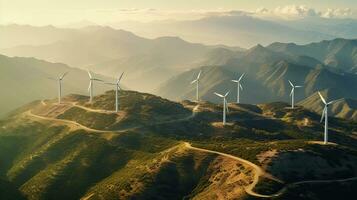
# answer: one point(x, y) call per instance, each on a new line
point(171, 39)
point(258, 48)
point(259, 51)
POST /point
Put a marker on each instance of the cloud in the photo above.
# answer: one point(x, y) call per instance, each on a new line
point(302, 11)
point(337, 13)
point(294, 10)
point(280, 12)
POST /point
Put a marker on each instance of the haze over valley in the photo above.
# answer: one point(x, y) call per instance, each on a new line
point(178, 100)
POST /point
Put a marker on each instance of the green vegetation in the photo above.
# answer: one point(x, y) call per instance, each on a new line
point(268, 186)
point(44, 159)
point(328, 191)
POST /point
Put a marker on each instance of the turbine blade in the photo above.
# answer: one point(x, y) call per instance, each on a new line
point(322, 98)
point(194, 81)
point(218, 94)
point(334, 101)
point(110, 83)
point(226, 104)
point(323, 114)
point(240, 78)
point(121, 76)
point(90, 85)
point(226, 94)
point(298, 86)
point(292, 91)
point(199, 75)
point(89, 74)
point(241, 87)
point(95, 79)
point(236, 81)
point(291, 83)
point(63, 75)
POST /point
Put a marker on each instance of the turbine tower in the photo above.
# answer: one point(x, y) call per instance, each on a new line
point(90, 88)
point(239, 87)
point(117, 88)
point(325, 115)
point(60, 86)
point(225, 106)
point(292, 93)
point(197, 81)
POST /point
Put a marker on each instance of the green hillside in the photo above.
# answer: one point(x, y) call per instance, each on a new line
point(345, 108)
point(266, 78)
point(338, 53)
point(23, 80)
point(158, 149)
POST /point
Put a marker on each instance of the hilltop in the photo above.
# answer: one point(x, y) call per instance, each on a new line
point(345, 108)
point(267, 73)
point(156, 148)
point(23, 80)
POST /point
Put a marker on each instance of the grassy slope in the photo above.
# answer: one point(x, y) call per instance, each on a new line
point(52, 161)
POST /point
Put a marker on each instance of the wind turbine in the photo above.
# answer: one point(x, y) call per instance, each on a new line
point(117, 88)
point(90, 88)
point(60, 86)
point(325, 115)
point(292, 93)
point(225, 106)
point(239, 86)
point(197, 81)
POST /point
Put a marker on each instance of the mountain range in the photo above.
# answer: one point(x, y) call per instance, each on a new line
point(147, 62)
point(267, 73)
point(243, 29)
point(166, 65)
point(26, 79)
point(340, 54)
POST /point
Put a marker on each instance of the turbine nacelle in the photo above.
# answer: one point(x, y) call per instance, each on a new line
point(225, 105)
point(90, 87)
point(325, 115)
point(117, 88)
point(59, 85)
point(239, 86)
point(60, 78)
point(197, 78)
point(197, 83)
point(293, 87)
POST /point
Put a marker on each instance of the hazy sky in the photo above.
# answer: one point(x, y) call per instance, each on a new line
point(40, 12)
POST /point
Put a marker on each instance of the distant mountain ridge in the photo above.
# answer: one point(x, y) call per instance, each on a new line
point(338, 53)
point(267, 75)
point(238, 29)
point(345, 108)
point(147, 62)
point(25, 79)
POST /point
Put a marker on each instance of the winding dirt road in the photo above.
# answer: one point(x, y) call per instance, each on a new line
point(258, 171)
point(29, 113)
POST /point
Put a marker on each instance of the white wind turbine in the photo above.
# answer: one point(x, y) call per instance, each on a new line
point(325, 115)
point(90, 88)
point(239, 87)
point(292, 93)
point(60, 86)
point(197, 81)
point(117, 88)
point(225, 106)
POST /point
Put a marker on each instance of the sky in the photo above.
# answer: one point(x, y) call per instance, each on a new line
point(43, 12)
